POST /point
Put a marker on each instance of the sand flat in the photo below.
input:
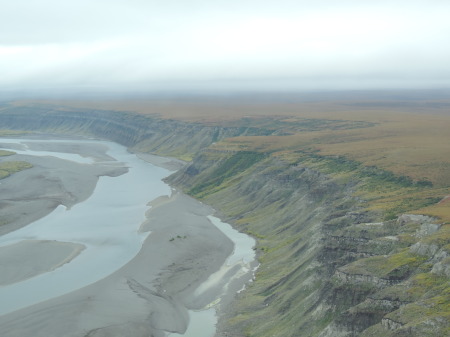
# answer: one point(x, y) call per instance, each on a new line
point(107, 222)
point(49, 183)
point(29, 258)
point(150, 295)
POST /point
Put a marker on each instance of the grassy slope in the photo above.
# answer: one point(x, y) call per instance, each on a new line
point(288, 285)
point(413, 145)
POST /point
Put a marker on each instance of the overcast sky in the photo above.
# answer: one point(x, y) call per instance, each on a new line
point(275, 44)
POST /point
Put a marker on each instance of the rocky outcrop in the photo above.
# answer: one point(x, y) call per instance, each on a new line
point(390, 324)
point(365, 279)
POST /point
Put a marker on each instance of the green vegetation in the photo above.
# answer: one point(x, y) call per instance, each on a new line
point(288, 126)
point(10, 167)
point(397, 266)
point(14, 133)
point(5, 153)
point(428, 285)
point(380, 188)
point(232, 166)
point(441, 238)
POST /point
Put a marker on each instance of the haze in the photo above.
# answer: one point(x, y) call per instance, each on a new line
point(131, 45)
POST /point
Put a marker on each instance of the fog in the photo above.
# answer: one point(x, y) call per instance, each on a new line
point(138, 45)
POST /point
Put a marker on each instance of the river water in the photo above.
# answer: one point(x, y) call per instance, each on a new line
point(107, 224)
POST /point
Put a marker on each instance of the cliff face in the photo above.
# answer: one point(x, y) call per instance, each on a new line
point(139, 132)
point(286, 208)
point(328, 267)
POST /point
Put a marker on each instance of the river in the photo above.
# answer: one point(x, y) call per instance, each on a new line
point(106, 224)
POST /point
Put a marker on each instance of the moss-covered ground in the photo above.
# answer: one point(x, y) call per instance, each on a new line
point(11, 167)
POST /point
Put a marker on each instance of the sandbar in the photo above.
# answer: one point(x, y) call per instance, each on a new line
point(29, 258)
point(149, 296)
point(49, 183)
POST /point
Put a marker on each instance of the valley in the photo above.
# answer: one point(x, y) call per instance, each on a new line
point(346, 196)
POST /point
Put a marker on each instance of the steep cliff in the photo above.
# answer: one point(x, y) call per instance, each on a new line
point(330, 265)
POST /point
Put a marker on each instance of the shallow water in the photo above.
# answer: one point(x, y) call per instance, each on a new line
point(21, 146)
point(243, 244)
point(107, 224)
point(203, 323)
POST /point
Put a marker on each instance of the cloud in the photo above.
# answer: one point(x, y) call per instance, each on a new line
point(145, 44)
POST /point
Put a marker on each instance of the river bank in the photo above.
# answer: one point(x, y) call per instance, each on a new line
point(151, 294)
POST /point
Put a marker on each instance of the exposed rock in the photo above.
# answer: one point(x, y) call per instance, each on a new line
point(360, 278)
point(413, 219)
point(390, 324)
point(442, 268)
point(427, 229)
point(334, 330)
point(424, 249)
point(386, 304)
